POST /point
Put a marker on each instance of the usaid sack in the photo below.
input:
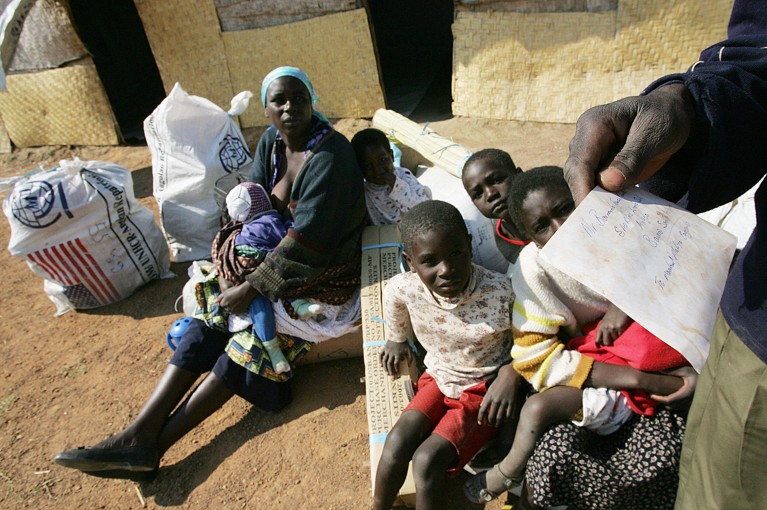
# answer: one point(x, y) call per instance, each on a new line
point(81, 229)
point(193, 143)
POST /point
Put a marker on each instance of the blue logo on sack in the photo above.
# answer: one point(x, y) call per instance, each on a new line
point(233, 153)
point(33, 202)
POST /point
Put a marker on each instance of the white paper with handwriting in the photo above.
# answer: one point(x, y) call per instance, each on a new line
point(663, 266)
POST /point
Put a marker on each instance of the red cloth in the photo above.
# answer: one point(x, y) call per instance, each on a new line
point(637, 348)
point(455, 419)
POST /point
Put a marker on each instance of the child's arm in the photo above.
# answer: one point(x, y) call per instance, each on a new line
point(500, 402)
point(612, 325)
point(682, 398)
point(223, 283)
point(538, 316)
point(237, 298)
point(617, 377)
point(542, 359)
point(398, 325)
point(393, 354)
point(407, 192)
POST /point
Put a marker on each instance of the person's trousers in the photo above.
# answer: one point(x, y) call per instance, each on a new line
point(724, 456)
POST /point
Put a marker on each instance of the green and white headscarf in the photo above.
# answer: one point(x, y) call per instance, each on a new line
point(295, 72)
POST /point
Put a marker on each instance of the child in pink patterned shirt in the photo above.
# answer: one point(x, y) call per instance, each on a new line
point(461, 315)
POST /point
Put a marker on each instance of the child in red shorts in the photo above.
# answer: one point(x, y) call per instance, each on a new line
point(461, 315)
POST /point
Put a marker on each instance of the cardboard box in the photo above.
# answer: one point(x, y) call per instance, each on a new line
point(346, 346)
point(386, 396)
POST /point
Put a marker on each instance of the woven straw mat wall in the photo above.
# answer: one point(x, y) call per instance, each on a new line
point(667, 40)
point(336, 51)
point(186, 42)
point(245, 15)
point(68, 106)
point(550, 67)
point(47, 39)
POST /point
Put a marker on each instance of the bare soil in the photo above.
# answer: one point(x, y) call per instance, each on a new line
point(76, 379)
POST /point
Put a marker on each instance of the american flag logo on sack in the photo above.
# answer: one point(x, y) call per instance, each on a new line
point(73, 267)
point(81, 297)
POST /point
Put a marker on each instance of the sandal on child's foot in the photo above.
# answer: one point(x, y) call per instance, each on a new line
point(477, 491)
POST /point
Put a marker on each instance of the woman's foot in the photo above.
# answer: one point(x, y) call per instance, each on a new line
point(130, 458)
point(488, 485)
point(122, 474)
point(122, 451)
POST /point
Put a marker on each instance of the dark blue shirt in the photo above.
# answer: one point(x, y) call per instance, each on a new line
point(727, 154)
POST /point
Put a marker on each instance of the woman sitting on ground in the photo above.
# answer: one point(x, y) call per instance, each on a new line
point(312, 175)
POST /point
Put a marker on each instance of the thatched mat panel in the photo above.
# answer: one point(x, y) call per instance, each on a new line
point(536, 5)
point(336, 51)
point(186, 42)
point(542, 67)
point(66, 106)
point(5, 142)
point(550, 67)
point(238, 15)
point(47, 39)
point(657, 37)
point(491, 68)
point(572, 64)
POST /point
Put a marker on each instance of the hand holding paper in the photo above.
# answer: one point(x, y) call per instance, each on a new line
point(663, 266)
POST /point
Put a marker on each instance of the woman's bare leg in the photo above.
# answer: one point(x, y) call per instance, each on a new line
point(148, 425)
point(206, 399)
point(136, 448)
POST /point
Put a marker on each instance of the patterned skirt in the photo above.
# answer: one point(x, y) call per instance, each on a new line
point(634, 468)
point(244, 347)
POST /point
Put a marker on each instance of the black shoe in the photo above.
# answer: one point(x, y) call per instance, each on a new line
point(124, 474)
point(130, 458)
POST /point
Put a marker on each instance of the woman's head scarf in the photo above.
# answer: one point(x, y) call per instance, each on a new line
point(295, 72)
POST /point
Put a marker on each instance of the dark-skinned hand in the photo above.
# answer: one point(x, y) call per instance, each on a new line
point(620, 144)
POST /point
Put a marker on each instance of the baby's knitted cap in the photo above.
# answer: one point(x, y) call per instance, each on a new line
point(246, 200)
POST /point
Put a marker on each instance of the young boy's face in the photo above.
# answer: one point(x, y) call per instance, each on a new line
point(544, 211)
point(488, 187)
point(442, 260)
point(377, 164)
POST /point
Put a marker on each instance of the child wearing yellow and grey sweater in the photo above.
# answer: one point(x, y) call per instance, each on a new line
point(593, 379)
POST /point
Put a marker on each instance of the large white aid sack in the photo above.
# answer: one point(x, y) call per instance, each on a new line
point(193, 144)
point(80, 227)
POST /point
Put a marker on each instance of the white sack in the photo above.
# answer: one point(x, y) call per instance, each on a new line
point(80, 228)
point(193, 143)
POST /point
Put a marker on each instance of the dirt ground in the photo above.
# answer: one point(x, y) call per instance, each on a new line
point(76, 379)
